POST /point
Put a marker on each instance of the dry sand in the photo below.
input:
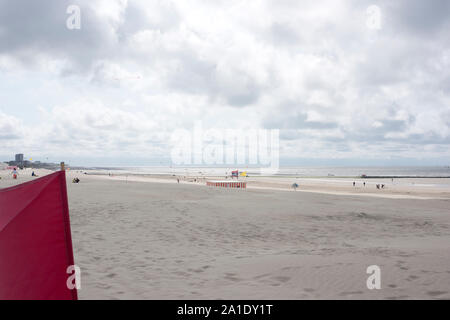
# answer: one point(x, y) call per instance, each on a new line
point(143, 238)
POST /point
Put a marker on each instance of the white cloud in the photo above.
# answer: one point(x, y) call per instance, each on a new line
point(137, 70)
point(10, 129)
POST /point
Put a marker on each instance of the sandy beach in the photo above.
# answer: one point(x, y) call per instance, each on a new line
point(141, 237)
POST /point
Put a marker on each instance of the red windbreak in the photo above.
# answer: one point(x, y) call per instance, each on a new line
point(35, 240)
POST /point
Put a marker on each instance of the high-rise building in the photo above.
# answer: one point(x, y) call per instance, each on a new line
point(19, 157)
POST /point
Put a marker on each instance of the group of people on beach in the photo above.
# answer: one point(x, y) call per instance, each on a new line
point(15, 174)
point(190, 179)
point(378, 186)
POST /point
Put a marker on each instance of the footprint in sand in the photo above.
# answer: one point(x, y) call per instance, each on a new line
point(282, 279)
point(232, 277)
point(276, 284)
point(400, 265)
point(412, 277)
point(102, 286)
point(436, 293)
point(195, 270)
point(350, 293)
point(397, 298)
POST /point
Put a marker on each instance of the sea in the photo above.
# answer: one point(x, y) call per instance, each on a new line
point(397, 171)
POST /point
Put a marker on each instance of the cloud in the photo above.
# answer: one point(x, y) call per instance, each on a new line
point(421, 18)
point(137, 70)
point(10, 128)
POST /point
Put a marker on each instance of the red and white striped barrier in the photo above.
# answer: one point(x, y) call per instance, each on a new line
point(227, 184)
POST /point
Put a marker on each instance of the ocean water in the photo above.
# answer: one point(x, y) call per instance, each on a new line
point(294, 171)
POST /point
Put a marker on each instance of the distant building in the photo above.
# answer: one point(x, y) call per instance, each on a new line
point(18, 161)
point(19, 157)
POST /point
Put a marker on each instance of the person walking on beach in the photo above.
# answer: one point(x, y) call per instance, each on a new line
point(354, 183)
point(364, 183)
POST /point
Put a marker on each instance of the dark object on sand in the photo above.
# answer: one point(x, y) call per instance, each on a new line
point(75, 180)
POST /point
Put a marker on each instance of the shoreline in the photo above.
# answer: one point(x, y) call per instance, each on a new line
point(425, 188)
point(311, 185)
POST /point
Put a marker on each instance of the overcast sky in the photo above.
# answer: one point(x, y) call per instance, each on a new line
point(346, 82)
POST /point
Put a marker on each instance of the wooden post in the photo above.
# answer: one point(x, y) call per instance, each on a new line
point(63, 167)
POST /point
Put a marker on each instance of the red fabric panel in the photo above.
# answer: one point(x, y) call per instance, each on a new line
point(35, 240)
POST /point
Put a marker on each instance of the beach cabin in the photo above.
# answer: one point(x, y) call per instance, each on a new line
point(227, 184)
